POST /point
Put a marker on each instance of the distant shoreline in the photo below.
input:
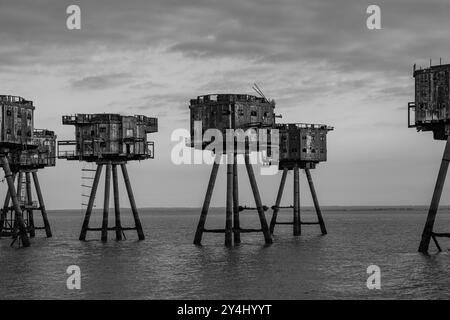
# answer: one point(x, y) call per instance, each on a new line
point(306, 208)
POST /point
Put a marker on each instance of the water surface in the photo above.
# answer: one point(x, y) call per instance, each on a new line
point(168, 266)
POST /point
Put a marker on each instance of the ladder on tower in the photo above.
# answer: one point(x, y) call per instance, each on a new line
point(87, 179)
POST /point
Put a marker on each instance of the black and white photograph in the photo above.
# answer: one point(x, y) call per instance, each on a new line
point(224, 155)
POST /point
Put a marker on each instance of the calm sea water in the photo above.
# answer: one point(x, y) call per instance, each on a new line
point(168, 266)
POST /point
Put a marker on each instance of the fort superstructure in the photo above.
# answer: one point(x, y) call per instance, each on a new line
point(109, 140)
point(302, 146)
point(222, 112)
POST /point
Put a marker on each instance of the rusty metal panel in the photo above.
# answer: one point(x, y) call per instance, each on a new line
point(114, 137)
point(19, 125)
point(313, 146)
point(140, 147)
point(9, 123)
point(432, 97)
point(294, 143)
point(16, 122)
point(103, 136)
point(129, 128)
point(13, 126)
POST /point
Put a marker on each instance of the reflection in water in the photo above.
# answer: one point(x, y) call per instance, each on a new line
point(167, 265)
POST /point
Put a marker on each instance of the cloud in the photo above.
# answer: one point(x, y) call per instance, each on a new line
point(296, 49)
point(100, 82)
point(285, 31)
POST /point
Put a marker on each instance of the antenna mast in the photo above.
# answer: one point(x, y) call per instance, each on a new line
point(259, 91)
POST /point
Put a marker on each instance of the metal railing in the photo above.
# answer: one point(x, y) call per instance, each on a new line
point(14, 99)
point(96, 152)
point(66, 154)
point(306, 126)
point(43, 133)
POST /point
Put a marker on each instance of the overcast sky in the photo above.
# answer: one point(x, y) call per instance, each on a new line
point(316, 58)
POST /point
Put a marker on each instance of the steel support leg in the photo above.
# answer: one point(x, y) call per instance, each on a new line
point(229, 207)
point(87, 216)
point(19, 195)
point(428, 229)
point(116, 202)
point(259, 206)
point(137, 221)
point(206, 202)
point(316, 202)
point(236, 222)
point(106, 202)
point(4, 212)
point(37, 186)
point(276, 208)
point(297, 226)
point(30, 204)
point(18, 212)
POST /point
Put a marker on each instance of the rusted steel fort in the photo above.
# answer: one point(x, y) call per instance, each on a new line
point(24, 165)
point(430, 111)
point(23, 151)
point(302, 146)
point(222, 112)
point(109, 140)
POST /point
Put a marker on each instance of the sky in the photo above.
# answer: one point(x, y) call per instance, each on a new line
point(316, 58)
